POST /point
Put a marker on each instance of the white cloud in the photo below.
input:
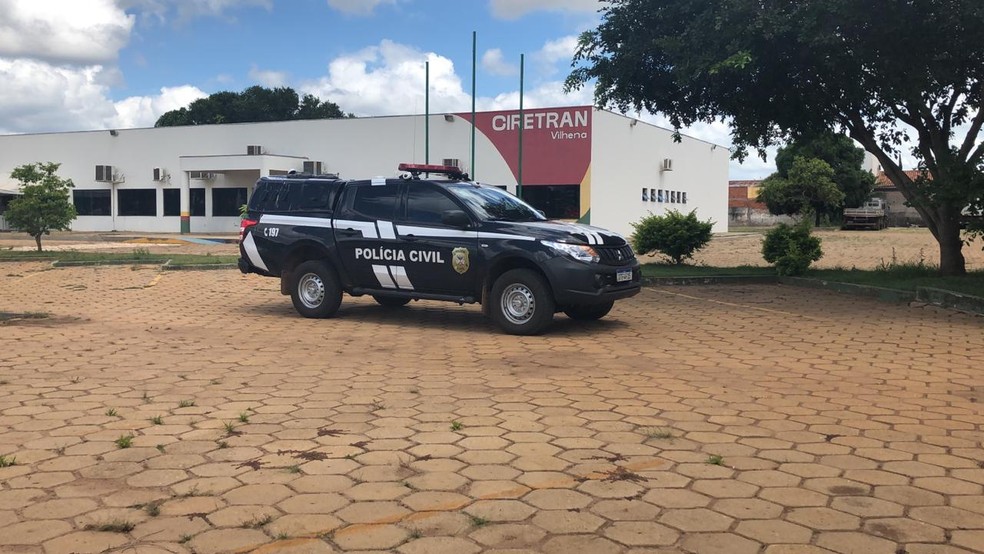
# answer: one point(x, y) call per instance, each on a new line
point(268, 78)
point(143, 111)
point(493, 62)
point(357, 7)
point(363, 83)
point(514, 9)
point(77, 32)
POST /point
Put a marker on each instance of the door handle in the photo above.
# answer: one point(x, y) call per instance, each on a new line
point(347, 232)
point(410, 238)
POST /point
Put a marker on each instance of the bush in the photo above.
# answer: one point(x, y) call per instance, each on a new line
point(791, 248)
point(674, 235)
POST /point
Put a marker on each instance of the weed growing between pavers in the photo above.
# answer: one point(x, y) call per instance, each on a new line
point(125, 441)
point(157, 420)
point(478, 521)
point(114, 526)
point(7, 462)
point(256, 522)
point(715, 460)
point(112, 412)
point(244, 417)
point(657, 433)
point(456, 425)
point(186, 403)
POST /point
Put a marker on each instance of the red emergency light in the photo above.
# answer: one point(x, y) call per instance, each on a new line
point(449, 170)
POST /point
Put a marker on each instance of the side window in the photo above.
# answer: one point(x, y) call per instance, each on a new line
point(425, 205)
point(263, 196)
point(313, 196)
point(367, 202)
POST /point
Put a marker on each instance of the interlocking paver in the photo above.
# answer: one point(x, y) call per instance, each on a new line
point(562, 445)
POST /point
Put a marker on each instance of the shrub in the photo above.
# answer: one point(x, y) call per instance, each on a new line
point(674, 235)
point(791, 248)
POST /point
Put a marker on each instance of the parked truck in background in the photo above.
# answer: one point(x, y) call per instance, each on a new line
point(872, 215)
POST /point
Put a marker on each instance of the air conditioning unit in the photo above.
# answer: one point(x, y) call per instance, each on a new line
point(451, 162)
point(104, 173)
point(314, 168)
point(254, 150)
point(201, 175)
point(160, 174)
point(667, 165)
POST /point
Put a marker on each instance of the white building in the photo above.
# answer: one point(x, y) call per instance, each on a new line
point(578, 163)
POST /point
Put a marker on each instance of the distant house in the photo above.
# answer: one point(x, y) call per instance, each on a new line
point(744, 209)
point(5, 197)
point(899, 214)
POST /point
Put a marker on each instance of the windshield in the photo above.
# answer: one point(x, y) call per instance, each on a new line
point(493, 204)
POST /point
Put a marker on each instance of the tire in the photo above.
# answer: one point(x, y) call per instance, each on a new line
point(391, 301)
point(315, 291)
point(589, 312)
point(521, 302)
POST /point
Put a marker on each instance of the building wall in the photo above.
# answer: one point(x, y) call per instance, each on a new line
point(627, 157)
point(621, 160)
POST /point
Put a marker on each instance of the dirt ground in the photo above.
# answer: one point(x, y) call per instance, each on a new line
point(842, 249)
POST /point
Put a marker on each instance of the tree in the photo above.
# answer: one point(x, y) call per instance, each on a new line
point(776, 69)
point(842, 155)
point(674, 235)
point(44, 203)
point(807, 187)
point(251, 105)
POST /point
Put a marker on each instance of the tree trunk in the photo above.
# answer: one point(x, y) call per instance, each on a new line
point(951, 247)
point(37, 239)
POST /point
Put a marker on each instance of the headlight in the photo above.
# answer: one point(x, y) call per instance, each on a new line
point(576, 251)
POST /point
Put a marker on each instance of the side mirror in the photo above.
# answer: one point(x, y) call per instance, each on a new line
point(455, 218)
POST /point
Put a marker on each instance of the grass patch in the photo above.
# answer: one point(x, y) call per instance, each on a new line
point(478, 521)
point(186, 403)
point(112, 412)
point(256, 523)
point(457, 425)
point(715, 460)
point(7, 462)
point(138, 254)
point(114, 526)
point(244, 417)
point(686, 270)
point(157, 420)
point(294, 469)
point(906, 278)
point(125, 441)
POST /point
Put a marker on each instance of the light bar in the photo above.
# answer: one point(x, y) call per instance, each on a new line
point(417, 169)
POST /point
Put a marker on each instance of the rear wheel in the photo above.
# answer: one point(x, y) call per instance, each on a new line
point(315, 291)
point(390, 301)
point(589, 312)
point(521, 303)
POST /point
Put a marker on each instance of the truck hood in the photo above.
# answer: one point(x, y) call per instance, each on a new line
point(559, 231)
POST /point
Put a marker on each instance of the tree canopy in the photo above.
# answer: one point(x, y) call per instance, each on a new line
point(844, 158)
point(44, 204)
point(807, 187)
point(881, 70)
point(251, 105)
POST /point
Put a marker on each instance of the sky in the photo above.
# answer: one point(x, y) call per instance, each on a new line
point(73, 65)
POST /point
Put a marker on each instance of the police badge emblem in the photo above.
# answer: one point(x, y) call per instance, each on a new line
point(459, 259)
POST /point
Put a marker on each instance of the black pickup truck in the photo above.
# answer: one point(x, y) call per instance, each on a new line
point(448, 239)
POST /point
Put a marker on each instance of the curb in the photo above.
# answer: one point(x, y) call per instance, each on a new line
point(936, 297)
point(883, 294)
point(85, 263)
point(168, 266)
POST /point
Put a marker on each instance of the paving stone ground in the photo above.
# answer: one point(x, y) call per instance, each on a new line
point(726, 419)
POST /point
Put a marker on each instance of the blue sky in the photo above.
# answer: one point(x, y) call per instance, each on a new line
point(94, 64)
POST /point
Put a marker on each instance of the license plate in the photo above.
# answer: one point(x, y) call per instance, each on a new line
point(623, 275)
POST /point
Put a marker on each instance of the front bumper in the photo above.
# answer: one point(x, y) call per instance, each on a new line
point(578, 283)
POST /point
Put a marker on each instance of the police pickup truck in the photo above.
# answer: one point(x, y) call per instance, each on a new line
point(448, 239)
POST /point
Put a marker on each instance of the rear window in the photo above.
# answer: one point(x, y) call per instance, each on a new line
point(294, 196)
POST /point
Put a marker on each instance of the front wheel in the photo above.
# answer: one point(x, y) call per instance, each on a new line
point(315, 291)
point(521, 302)
point(589, 312)
point(390, 301)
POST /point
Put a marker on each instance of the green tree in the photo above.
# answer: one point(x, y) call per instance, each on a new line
point(791, 248)
point(808, 187)
point(44, 204)
point(254, 104)
point(776, 69)
point(674, 235)
point(842, 155)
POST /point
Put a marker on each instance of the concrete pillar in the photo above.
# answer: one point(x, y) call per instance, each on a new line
point(185, 203)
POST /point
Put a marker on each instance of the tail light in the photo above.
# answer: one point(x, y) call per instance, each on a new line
point(244, 226)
